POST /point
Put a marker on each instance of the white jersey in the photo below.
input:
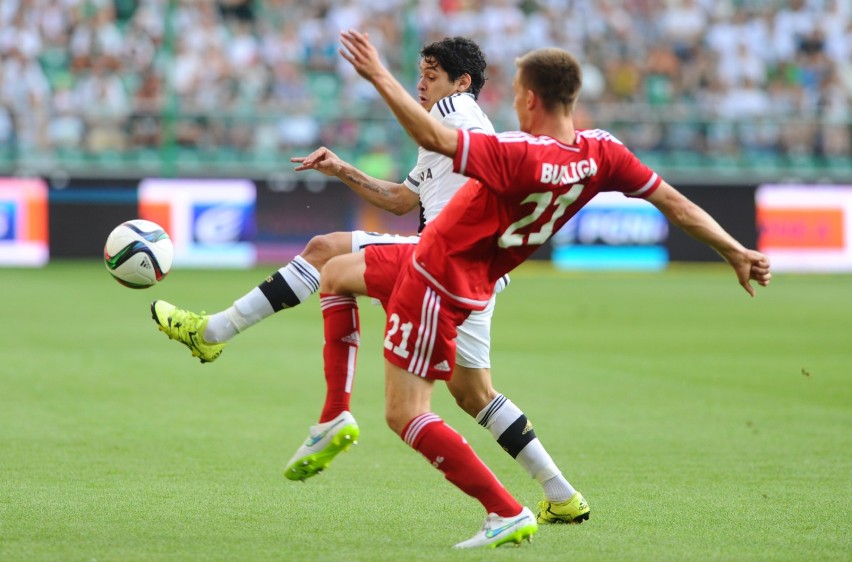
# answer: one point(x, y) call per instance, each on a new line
point(432, 178)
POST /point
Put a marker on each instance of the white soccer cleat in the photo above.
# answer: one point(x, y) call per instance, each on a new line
point(501, 530)
point(324, 442)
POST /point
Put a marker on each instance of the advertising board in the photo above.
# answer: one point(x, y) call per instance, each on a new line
point(613, 232)
point(805, 228)
point(23, 222)
point(211, 221)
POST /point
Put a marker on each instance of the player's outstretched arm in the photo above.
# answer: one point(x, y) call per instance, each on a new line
point(393, 197)
point(749, 265)
point(419, 125)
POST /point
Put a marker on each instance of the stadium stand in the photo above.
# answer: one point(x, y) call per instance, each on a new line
point(234, 87)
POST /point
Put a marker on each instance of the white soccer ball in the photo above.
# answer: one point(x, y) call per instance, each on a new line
point(138, 253)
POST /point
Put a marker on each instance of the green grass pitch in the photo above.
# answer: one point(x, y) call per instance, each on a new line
point(700, 424)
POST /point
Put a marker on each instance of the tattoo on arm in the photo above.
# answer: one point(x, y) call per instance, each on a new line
point(368, 185)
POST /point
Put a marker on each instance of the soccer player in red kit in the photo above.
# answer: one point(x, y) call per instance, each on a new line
point(524, 187)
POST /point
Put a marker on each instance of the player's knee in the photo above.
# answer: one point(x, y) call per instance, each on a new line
point(344, 275)
point(471, 388)
point(333, 278)
point(321, 248)
point(396, 420)
point(472, 403)
point(468, 404)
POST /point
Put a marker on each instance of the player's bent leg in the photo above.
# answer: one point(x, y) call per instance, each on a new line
point(285, 288)
point(320, 249)
point(206, 336)
point(472, 388)
point(187, 328)
point(295, 282)
point(344, 275)
point(325, 441)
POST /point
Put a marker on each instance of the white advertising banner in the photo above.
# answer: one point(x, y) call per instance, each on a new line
point(210, 221)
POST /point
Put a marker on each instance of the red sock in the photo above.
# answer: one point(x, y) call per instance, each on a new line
point(450, 453)
point(342, 336)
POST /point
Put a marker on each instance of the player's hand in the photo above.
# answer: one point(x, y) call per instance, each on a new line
point(322, 160)
point(361, 54)
point(752, 266)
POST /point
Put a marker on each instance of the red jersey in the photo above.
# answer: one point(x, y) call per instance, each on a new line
point(523, 189)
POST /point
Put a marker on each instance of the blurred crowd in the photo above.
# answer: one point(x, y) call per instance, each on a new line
point(712, 77)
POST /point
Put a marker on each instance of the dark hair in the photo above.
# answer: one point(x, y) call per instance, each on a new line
point(554, 75)
point(458, 56)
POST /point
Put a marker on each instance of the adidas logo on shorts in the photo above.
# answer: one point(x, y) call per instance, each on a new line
point(442, 366)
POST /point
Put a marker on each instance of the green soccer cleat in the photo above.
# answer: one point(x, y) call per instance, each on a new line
point(498, 530)
point(324, 442)
point(575, 510)
point(187, 328)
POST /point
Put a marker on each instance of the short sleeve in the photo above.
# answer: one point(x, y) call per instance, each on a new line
point(629, 175)
point(484, 157)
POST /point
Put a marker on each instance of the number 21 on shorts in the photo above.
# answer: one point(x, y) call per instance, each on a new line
point(404, 329)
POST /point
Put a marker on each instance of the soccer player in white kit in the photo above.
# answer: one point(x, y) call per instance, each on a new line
point(451, 76)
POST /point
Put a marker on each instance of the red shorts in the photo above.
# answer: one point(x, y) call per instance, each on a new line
point(384, 263)
point(420, 334)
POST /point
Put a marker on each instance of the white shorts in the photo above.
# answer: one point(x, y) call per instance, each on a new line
point(361, 239)
point(473, 344)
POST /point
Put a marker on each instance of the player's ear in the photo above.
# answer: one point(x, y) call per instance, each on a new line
point(531, 99)
point(464, 82)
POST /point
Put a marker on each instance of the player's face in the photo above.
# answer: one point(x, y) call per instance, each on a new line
point(435, 84)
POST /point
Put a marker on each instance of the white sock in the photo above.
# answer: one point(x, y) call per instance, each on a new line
point(510, 427)
point(245, 312)
point(557, 489)
point(285, 288)
point(302, 278)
